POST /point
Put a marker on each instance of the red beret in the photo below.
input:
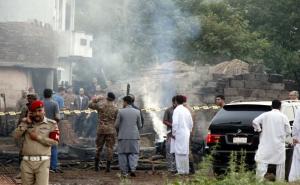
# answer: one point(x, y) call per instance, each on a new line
point(36, 104)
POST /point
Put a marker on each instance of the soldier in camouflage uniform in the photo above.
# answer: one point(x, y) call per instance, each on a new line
point(106, 132)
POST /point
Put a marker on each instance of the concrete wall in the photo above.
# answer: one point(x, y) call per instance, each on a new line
point(12, 82)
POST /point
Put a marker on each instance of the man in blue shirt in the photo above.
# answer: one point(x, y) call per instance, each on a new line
point(59, 98)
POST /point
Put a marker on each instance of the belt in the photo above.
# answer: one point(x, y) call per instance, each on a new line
point(36, 158)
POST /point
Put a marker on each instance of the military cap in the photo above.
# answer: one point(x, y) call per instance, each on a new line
point(36, 104)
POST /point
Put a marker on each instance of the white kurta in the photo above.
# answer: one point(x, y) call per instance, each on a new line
point(295, 167)
point(275, 129)
point(181, 128)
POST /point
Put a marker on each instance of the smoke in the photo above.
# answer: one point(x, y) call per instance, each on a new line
point(131, 34)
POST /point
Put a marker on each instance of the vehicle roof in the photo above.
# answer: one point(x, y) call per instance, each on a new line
point(264, 103)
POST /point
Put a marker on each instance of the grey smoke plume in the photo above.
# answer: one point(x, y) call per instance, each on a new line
point(129, 34)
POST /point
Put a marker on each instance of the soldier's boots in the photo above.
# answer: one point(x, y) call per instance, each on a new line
point(97, 164)
point(108, 163)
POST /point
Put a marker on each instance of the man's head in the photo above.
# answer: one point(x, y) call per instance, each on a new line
point(174, 101)
point(81, 91)
point(110, 96)
point(31, 97)
point(220, 100)
point(127, 100)
point(179, 99)
point(61, 91)
point(37, 111)
point(294, 95)
point(48, 93)
point(69, 90)
point(132, 97)
point(276, 104)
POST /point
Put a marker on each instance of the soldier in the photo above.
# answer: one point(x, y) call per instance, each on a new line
point(106, 132)
point(69, 99)
point(22, 101)
point(39, 134)
point(24, 111)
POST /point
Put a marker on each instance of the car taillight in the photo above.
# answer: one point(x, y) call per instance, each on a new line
point(212, 138)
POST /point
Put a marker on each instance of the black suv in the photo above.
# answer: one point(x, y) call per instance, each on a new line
point(231, 130)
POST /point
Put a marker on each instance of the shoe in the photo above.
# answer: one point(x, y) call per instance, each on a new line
point(132, 174)
point(124, 175)
point(108, 166)
point(97, 164)
point(52, 171)
point(59, 170)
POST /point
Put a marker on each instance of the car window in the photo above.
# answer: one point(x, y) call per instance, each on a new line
point(239, 114)
point(289, 112)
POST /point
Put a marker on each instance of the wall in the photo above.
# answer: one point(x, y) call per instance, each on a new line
point(45, 11)
point(27, 45)
point(12, 82)
point(250, 86)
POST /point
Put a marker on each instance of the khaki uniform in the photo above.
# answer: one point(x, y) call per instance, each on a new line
point(36, 154)
point(69, 101)
point(106, 132)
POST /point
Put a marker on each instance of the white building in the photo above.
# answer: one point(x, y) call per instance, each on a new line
point(60, 16)
point(38, 45)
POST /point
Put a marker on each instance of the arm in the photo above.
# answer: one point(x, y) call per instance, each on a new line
point(142, 118)
point(57, 115)
point(296, 126)
point(46, 140)
point(118, 121)
point(139, 122)
point(166, 118)
point(256, 123)
point(175, 123)
point(21, 129)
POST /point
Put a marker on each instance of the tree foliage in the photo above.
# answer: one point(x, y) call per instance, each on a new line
point(205, 31)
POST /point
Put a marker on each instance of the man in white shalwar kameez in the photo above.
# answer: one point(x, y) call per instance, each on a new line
point(274, 127)
point(295, 167)
point(181, 128)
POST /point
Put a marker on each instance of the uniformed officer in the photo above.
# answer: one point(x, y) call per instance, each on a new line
point(106, 132)
point(38, 133)
point(24, 110)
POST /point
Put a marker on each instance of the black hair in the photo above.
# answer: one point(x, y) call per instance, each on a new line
point(48, 93)
point(128, 99)
point(179, 99)
point(276, 104)
point(173, 99)
point(221, 96)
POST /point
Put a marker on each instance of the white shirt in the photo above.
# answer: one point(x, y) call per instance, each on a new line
point(274, 127)
point(181, 128)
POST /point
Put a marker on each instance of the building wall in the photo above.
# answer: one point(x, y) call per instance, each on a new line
point(12, 82)
point(52, 12)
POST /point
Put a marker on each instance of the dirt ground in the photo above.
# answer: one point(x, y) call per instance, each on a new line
point(89, 177)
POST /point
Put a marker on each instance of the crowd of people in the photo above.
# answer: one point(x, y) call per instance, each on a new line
point(39, 133)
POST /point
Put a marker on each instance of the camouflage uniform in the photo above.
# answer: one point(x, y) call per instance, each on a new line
point(69, 101)
point(106, 132)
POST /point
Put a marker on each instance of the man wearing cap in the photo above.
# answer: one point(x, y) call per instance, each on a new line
point(22, 101)
point(24, 110)
point(128, 124)
point(39, 134)
point(106, 133)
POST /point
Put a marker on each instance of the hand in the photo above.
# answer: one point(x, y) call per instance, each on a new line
point(33, 135)
point(295, 141)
